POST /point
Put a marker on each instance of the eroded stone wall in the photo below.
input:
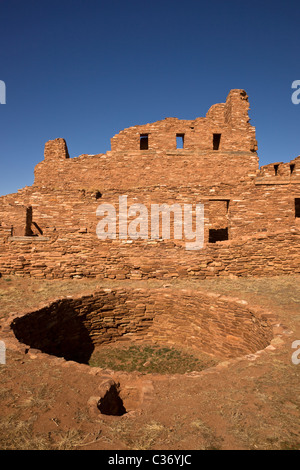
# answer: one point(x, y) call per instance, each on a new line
point(81, 255)
point(239, 199)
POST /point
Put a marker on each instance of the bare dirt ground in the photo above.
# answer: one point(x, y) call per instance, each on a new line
point(240, 404)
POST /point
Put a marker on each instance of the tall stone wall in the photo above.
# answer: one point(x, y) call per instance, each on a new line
point(127, 166)
point(217, 167)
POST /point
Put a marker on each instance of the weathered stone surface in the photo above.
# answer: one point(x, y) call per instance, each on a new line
point(49, 230)
point(218, 325)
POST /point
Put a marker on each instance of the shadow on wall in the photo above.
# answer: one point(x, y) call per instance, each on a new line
point(60, 331)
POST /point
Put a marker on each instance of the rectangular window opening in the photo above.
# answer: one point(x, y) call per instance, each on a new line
point(144, 142)
point(216, 141)
point(218, 235)
point(179, 141)
point(297, 208)
point(292, 168)
point(276, 169)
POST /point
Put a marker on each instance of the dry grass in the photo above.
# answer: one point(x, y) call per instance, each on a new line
point(212, 442)
point(142, 438)
point(37, 398)
point(18, 435)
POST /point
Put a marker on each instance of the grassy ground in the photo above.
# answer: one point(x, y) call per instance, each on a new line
point(149, 360)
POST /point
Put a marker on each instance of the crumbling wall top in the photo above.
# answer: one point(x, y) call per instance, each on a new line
point(56, 149)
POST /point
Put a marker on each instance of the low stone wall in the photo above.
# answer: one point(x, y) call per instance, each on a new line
point(82, 255)
point(217, 325)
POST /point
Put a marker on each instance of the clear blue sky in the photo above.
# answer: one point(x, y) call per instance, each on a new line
point(84, 70)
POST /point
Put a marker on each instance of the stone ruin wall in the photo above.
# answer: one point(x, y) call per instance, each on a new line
point(79, 255)
point(254, 204)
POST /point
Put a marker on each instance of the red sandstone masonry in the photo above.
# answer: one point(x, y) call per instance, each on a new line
point(210, 323)
point(60, 208)
point(128, 167)
point(80, 255)
point(260, 208)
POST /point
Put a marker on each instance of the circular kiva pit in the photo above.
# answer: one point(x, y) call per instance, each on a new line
point(186, 323)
